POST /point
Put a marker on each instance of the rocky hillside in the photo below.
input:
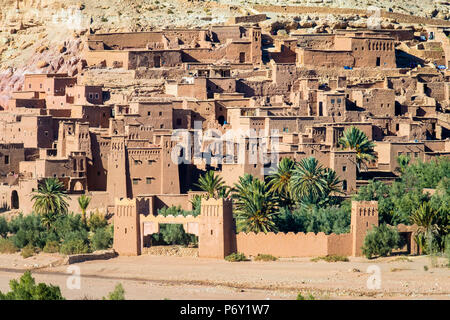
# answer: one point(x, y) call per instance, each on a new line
point(46, 35)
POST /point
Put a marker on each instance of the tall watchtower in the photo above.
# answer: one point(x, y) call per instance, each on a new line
point(127, 238)
point(117, 181)
point(216, 229)
point(364, 218)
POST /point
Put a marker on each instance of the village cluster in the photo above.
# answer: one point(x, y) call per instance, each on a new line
point(292, 96)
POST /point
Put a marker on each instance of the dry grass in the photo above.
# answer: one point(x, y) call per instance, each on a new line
point(331, 258)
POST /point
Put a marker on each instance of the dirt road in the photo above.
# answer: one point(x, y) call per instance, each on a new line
point(161, 277)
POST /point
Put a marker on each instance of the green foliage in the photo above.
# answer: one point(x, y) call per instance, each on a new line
point(355, 139)
point(332, 219)
point(331, 258)
point(196, 205)
point(28, 251)
point(83, 202)
point(102, 239)
point(380, 241)
point(236, 257)
point(96, 221)
point(26, 289)
point(265, 257)
point(279, 181)
point(117, 294)
point(212, 184)
point(3, 227)
point(28, 230)
point(50, 200)
point(311, 183)
point(74, 246)
point(173, 234)
point(301, 297)
point(178, 211)
point(255, 205)
point(68, 233)
point(403, 162)
point(7, 246)
point(51, 247)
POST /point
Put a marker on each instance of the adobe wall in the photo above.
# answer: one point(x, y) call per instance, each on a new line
point(327, 58)
point(127, 239)
point(120, 41)
point(113, 59)
point(253, 18)
point(282, 244)
point(146, 59)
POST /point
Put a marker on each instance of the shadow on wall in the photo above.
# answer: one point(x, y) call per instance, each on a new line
point(406, 60)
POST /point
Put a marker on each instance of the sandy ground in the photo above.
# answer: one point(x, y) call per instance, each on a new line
point(161, 277)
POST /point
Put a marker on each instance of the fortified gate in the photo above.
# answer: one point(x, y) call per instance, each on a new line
point(216, 230)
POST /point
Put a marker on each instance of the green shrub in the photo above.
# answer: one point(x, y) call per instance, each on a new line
point(331, 258)
point(171, 234)
point(380, 241)
point(74, 246)
point(28, 251)
point(7, 246)
point(101, 239)
point(301, 297)
point(117, 294)
point(28, 229)
point(236, 257)
point(178, 211)
point(26, 289)
point(265, 257)
point(331, 219)
point(3, 227)
point(51, 247)
point(97, 221)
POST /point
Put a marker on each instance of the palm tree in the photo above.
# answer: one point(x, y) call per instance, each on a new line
point(403, 162)
point(308, 183)
point(255, 205)
point(425, 219)
point(50, 200)
point(83, 202)
point(211, 183)
point(279, 181)
point(355, 139)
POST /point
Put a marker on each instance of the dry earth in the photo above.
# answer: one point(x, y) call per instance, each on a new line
point(162, 277)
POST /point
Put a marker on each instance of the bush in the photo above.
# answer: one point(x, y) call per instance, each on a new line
point(26, 289)
point(236, 257)
point(7, 246)
point(380, 241)
point(28, 230)
point(301, 297)
point(101, 239)
point(170, 234)
point(177, 211)
point(74, 246)
point(117, 294)
point(331, 219)
point(265, 257)
point(51, 247)
point(331, 258)
point(3, 227)
point(28, 251)
point(97, 221)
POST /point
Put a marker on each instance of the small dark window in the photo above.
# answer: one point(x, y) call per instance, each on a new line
point(148, 180)
point(6, 159)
